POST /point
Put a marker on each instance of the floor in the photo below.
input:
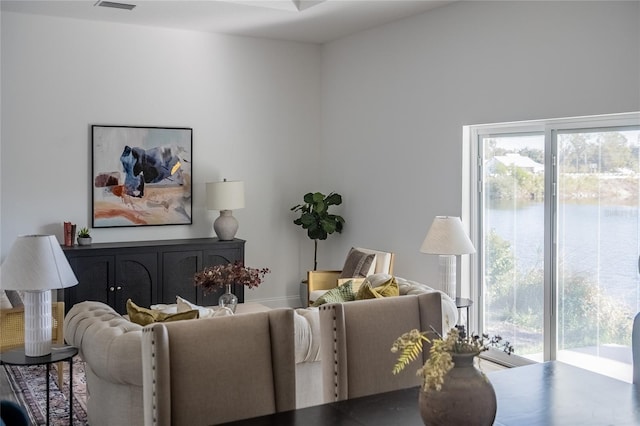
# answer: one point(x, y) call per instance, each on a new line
point(5, 388)
point(7, 393)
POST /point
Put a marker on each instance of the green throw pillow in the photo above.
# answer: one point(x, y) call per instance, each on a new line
point(342, 293)
point(144, 316)
point(387, 289)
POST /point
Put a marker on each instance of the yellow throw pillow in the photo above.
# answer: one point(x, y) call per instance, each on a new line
point(387, 289)
point(144, 316)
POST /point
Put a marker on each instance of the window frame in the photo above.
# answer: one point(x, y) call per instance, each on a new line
point(471, 266)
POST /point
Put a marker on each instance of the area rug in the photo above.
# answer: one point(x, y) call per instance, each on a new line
point(29, 386)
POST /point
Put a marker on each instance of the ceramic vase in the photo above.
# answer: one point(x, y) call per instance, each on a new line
point(228, 299)
point(466, 398)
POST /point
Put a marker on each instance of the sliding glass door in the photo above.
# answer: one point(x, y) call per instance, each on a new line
point(558, 231)
point(597, 228)
point(513, 239)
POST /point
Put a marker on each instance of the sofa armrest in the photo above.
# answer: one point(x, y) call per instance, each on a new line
point(449, 309)
point(156, 374)
point(109, 343)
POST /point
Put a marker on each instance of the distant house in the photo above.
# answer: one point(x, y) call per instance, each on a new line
point(513, 159)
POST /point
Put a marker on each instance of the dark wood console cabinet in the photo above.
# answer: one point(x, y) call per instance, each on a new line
point(147, 272)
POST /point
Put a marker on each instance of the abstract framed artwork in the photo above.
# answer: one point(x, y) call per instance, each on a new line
point(141, 176)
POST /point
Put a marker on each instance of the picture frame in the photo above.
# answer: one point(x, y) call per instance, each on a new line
point(141, 176)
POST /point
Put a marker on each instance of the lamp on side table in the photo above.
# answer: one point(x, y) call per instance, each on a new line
point(447, 238)
point(36, 265)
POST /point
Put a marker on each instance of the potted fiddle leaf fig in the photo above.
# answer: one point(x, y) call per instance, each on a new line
point(316, 219)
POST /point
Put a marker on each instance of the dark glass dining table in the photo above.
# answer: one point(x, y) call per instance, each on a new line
point(545, 394)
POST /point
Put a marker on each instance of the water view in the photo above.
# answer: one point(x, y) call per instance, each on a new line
point(599, 242)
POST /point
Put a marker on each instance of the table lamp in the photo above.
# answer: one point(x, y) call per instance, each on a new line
point(447, 238)
point(36, 265)
point(225, 196)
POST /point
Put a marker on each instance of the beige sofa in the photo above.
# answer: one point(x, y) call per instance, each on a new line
point(243, 367)
point(357, 339)
point(111, 347)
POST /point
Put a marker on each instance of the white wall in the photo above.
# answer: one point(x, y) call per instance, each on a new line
point(254, 106)
point(395, 99)
point(376, 116)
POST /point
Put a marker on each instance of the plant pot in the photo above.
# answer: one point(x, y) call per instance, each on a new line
point(466, 398)
point(84, 241)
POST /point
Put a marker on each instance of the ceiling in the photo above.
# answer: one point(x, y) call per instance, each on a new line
point(312, 21)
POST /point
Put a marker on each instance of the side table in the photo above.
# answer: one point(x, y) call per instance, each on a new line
point(65, 353)
point(463, 303)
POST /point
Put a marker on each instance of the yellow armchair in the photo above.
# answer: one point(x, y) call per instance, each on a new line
point(319, 282)
point(12, 330)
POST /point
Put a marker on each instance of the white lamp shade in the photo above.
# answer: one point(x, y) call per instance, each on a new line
point(36, 263)
point(226, 195)
point(446, 236)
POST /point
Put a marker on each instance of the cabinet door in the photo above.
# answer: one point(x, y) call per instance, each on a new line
point(178, 268)
point(94, 273)
point(220, 257)
point(136, 277)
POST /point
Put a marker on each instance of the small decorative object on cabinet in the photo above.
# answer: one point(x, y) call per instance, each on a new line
point(148, 272)
point(84, 238)
point(69, 233)
point(454, 391)
point(214, 277)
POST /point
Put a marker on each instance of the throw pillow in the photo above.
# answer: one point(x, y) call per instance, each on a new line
point(387, 289)
point(222, 311)
point(342, 293)
point(358, 264)
point(144, 316)
point(184, 306)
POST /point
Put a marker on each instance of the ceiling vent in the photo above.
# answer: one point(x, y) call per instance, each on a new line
point(115, 5)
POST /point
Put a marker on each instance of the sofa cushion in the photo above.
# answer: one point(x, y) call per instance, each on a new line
point(144, 316)
point(342, 293)
point(358, 264)
point(388, 288)
point(184, 305)
point(307, 331)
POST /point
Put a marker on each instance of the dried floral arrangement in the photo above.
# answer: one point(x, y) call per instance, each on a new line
point(440, 360)
point(213, 277)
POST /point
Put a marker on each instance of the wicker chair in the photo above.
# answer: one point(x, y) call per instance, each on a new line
point(12, 330)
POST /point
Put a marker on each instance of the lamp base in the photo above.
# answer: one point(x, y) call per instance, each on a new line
point(225, 226)
point(37, 323)
point(447, 269)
